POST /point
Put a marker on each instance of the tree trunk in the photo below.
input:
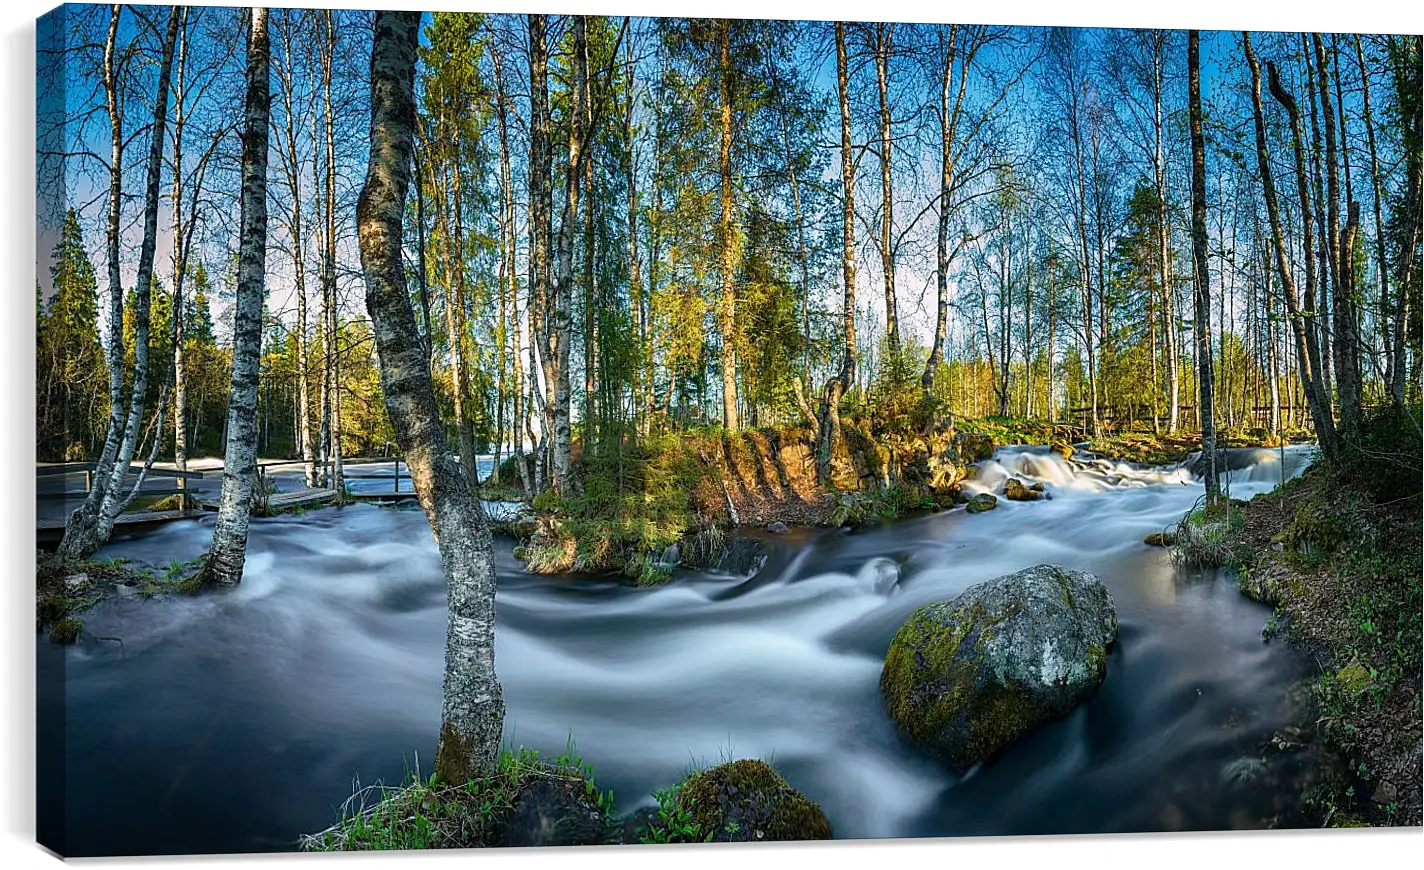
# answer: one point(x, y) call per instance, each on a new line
point(507, 258)
point(590, 292)
point(946, 183)
point(559, 328)
point(229, 549)
point(338, 474)
point(180, 268)
point(1205, 387)
point(1164, 251)
point(291, 167)
point(1394, 364)
point(455, 320)
point(93, 521)
point(848, 362)
point(1307, 351)
point(640, 376)
point(883, 35)
point(472, 715)
point(1346, 357)
point(727, 310)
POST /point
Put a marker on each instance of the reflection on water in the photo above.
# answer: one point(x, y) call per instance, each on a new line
point(235, 722)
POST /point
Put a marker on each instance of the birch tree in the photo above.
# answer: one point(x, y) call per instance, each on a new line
point(92, 522)
point(229, 549)
point(472, 713)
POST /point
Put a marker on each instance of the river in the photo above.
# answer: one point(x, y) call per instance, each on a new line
point(235, 722)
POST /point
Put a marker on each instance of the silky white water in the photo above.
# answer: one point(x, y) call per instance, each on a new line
point(237, 721)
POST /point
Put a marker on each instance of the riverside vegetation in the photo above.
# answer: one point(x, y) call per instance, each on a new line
point(1337, 554)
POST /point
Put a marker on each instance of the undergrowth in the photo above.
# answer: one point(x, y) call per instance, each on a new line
point(427, 813)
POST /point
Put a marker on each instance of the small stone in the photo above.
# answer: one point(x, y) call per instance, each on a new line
point(778, 528)
point(982, 502)
point(1014, 490)
point(1160, 539)
point(1385, 793)
point(76, 582)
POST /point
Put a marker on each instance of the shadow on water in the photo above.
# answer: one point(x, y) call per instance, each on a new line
point(236, 722)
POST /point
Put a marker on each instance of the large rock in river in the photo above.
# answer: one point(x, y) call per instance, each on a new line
point(965, 678)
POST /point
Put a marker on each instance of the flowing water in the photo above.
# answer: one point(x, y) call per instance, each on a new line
point(237, 721)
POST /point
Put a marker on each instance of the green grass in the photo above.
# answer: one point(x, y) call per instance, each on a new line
point(673, 824)
point(426, 813)
point(1209, 536)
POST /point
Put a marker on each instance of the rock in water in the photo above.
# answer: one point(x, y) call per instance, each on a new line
point(1014, 490)
point(982, 502)
point(748, 801)
point(965, 678)
point(778, 528)
point(1161, 539)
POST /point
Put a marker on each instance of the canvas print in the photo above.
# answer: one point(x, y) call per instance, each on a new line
point(503, 430)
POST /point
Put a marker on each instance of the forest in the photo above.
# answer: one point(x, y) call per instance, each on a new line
point(624, 260)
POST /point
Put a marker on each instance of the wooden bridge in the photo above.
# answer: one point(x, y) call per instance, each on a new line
point(50, 529)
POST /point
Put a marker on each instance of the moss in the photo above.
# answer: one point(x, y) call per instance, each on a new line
point(747, 800)
point(982, 502)
point(66, 630)
point(937, 695)
point(1353, 678)
point(52, 608)
point(926, 680)
point(526, 801)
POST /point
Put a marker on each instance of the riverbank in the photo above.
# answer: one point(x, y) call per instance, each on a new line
point(1337, 554)
point(671, 500)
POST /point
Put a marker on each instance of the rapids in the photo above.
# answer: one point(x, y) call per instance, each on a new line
point(237, 721)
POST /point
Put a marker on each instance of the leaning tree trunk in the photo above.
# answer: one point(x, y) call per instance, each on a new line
point(229, 550)
point(92, 522)
point(1307, 352)
point(1202, 330)
point(472, 715)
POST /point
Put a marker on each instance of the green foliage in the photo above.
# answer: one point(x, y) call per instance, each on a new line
point(856, 508)
point(66, 630)
point(900, 406)
point(427, 813)
point(1209, 536)
point(634, 503)
point(674, 823)
point(71, 383)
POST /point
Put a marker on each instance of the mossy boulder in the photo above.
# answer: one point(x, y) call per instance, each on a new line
point(1065, 450)
point(965, 678)
point(748, 801)
point(1014, 490)
point(982, 502)
point(1161, 539)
